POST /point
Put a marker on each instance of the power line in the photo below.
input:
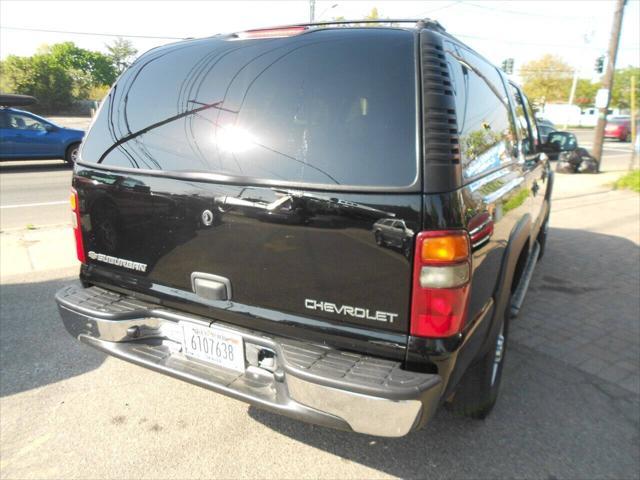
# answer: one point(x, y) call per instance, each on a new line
point(452, 4)
point(24, 29)
point(528, 14)
point(504, 40)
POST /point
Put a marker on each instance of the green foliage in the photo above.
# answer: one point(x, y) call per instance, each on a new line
point(97, 67)
point(547, 79)
point(57, 75)
point(98, 92)
point(40, 76)
point(121, 52)
point(630, 181)
point(372, 15)
point(478, 142)
point(621, 93)
point(586, 92)
point(515, 201)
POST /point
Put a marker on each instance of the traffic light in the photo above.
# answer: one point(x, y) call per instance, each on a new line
point(600, 64)
point(507, 66)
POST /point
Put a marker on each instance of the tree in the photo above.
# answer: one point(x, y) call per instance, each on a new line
point(547, 79)
point(621, 92)
point(40, 76)
point(97, 66)
point(373, 15)
point(121, 53)
point(57, 75)
point(586, 92)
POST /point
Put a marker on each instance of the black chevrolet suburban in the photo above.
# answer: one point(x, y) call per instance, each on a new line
point(329, 221)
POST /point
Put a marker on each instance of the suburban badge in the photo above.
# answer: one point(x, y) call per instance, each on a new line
point(119, 262)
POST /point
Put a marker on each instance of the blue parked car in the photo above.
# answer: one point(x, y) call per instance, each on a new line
point(24, 135)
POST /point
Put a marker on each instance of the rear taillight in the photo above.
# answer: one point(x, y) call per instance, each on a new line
point(441, 272)
point(77, 230)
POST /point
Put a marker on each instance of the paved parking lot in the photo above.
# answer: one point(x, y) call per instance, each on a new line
point(570, 404)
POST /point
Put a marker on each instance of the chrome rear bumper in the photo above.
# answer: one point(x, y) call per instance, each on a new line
point(308, 382)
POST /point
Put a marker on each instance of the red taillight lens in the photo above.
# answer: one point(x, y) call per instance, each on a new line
point(77, 229)
point(442, 268)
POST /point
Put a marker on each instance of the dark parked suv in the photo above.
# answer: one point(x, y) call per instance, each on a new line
point(226, 205)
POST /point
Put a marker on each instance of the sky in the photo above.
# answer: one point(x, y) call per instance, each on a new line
point(578, 30)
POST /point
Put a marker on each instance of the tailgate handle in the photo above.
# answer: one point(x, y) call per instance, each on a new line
point(211, 287)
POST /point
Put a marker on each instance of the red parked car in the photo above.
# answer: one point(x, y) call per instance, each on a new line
point(618, 128)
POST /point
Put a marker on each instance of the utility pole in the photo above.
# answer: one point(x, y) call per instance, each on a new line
point(312, 11)
point(607, 82)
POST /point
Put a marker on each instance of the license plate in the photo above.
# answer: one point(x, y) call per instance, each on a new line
point(214, 345)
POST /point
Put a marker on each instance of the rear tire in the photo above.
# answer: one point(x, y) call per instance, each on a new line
point(71, 155)
point(477, 392)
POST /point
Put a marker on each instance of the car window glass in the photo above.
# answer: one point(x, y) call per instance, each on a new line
point(4, 120)
point(533, 127)
point(484, 120)
point(327, 107)
point(557, 140)
point(564, 141)
point(526, 138)
point(24, 122)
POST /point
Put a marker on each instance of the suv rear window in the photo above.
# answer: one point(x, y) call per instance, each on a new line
point(335, 107)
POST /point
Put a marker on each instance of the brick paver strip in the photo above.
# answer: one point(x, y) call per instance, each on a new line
point(583, 305)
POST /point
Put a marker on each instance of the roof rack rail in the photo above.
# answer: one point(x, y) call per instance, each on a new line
point(420, 22)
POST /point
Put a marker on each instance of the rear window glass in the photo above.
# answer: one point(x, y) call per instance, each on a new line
point(330, 107)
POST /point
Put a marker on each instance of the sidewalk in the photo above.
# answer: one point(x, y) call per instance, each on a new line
point(25, 251)
point(582, 307)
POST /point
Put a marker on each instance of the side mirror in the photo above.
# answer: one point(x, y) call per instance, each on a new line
point(551, 146)
point(49, 128)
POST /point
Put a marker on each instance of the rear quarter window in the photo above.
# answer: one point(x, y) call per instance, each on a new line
point(485, 126)
point(329, 107)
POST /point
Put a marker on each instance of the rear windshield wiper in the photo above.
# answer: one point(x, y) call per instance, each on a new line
point(203, 106)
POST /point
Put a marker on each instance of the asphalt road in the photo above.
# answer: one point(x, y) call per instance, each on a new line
point(71, 412)
point(34, 194)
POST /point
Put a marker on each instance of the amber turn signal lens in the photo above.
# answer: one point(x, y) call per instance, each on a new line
point(446, 248)
point(72, 200)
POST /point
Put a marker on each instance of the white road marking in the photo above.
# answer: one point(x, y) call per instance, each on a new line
point(43, 204)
